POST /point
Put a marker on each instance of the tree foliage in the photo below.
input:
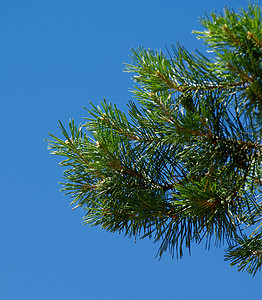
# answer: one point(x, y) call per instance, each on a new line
point(184, 165)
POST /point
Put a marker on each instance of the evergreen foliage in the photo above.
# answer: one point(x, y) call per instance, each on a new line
point(185, 164)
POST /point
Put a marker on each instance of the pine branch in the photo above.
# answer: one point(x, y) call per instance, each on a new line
point(185, 164)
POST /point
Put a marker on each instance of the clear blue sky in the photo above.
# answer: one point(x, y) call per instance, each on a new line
point(56, 56)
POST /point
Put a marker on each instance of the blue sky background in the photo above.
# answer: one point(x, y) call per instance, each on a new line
point(55, 57)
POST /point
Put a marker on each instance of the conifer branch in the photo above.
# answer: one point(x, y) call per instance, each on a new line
point(187, 163)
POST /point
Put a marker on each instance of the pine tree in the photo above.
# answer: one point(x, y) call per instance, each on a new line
point(184, 165)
